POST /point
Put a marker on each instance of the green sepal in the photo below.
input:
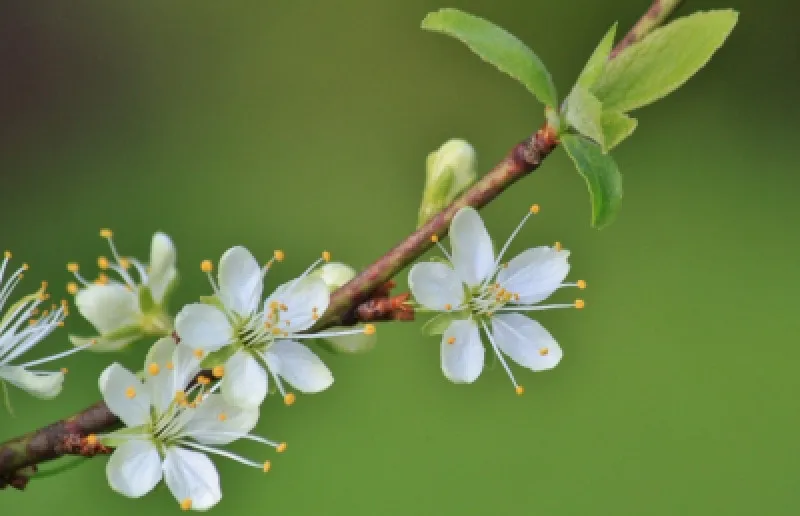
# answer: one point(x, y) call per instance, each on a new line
point(217, 358)
point(146, 301)
point(439, 323)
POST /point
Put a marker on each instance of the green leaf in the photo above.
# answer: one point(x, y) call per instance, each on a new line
point(616, 127)
point(601, 174)
point(597, 62)
point(585, 113)
point(439, 323)
point(665, 59)
point(497, 47)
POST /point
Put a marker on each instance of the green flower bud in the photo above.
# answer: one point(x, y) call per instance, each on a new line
point(449, 171)
point(335, 274)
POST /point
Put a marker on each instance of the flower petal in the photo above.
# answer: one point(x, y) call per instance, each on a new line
point(125, 395)
point(526, 341)
point(299, 366)
point(162, 266)
point(245, 382)
point(202, 326)
point(108, 307)
point(217, 422)
point(435, 285)
point(44, 385)
point(473, 254)
point(134, 468)
point(240, 280)
point(168, 369)
point(535, 274)
point(462, 361)
point(192, 476)
point(301, 296)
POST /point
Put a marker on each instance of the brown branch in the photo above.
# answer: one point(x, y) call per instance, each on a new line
point(366, 297)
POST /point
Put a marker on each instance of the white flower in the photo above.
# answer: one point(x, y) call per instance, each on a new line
point(474, 292)
point(169, 430)
point(20, 332)
point(125, 310)
point(261, 339)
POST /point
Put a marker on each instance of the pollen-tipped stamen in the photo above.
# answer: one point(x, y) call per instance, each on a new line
point(500, 356)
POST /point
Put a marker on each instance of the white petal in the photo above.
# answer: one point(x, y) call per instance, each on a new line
point(435, 285)
point(462, 361)
point(245, 382)
point(44, 385)
point(473, 255)
point(134, 468)
point(108, 307)
point(240, 280)
point(192, 476)
point(526, 341)
point(202, 326)
point(162, 266)
point(299, 366)
point(217, 422)
point(117, 384)
point(301, 296)
point(173, 366)
point(535, 274)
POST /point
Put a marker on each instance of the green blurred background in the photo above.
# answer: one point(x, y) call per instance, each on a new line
point(304, 125)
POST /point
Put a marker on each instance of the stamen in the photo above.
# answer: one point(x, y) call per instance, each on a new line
point(153, 369)
point(500, 357)
point(186, 504)
point(289, 399)
point(206, 266)
point(369, 329)
point(451, 340)
point(326, 255)
point(218, 371)
point(533, 210)
point(279, 255)
point(130, 393)
point(267, 466)
point(579, 303)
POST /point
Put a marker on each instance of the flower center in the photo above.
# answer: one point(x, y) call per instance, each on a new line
point(487, 299)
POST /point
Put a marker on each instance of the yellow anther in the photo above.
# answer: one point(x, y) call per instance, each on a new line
point(170, 366)
point(106, 233)
point(64, 370)
point(102, 262)
point(581, 284)
point(102, 279)
point(124, 263)
point(153, 369)
point(92, 342)
point(579, 303)
point(326, 255)
point(25, 267)
point(535, 209)
point(505, 265)
point(72, 267)
point(448, 306)
point(186, 504)
point(180, 397)
point(451, 340)
point(130, 393)
point(7, 255)
point(279, 255)
point(520, 390)
point(489, 314)
point(434, 238)
point(314, 316)
point(32, 322)
point(274, 305)
point(44, 285)
point(284, 308)
point(314, 309)
point(369, 329)
point(60, 324)
point(267, 466)
point(203, 380)
point(544, 352)
point(91, 440)
point(557, 246)
point(206, 266)
point(289, 399)
point(218, 371)
point(72, 288)
point(276, 331)
point(222, 416)
point(198, 353)
point(281, 448)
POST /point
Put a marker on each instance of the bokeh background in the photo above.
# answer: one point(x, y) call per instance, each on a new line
point(304, 126)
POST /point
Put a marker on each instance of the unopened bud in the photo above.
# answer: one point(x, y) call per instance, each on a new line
point(335, 274)
point(449, 171)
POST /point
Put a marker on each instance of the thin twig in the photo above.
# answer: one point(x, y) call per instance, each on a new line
point(360, 293)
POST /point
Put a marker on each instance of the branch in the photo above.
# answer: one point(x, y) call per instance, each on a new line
point(365, 298)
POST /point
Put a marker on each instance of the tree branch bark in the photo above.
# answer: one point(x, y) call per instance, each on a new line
point(359, 300)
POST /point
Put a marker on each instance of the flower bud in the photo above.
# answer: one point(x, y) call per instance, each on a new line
point(335, 274)
point(449, 171)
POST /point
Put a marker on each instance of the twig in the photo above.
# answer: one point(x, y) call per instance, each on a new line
point(361, 296)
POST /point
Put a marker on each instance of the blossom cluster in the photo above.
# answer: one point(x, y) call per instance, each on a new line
point(214, 363)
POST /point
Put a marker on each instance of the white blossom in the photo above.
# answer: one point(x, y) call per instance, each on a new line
point(474, 292)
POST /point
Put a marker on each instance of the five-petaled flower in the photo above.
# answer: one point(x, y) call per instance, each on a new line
point(260, 339)
point(474, 291)
point(170, 429)
point(22, 327)
point(123, 311)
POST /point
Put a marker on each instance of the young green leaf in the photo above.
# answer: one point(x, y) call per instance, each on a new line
point(585, 113)
point(616, 127)
point(601, 174)
point(440, 322)
point(497, 47)
point(597, 62)
point(664, 60)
